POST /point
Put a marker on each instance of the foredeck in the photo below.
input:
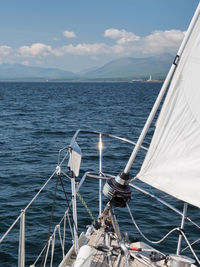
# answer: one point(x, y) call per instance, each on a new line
point(109, 258)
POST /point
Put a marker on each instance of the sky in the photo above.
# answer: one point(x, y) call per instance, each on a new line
point(76, 35)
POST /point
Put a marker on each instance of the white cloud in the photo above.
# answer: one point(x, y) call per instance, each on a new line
point(6, 54)
point(121, 35)
point(5, 50)
point(35, 50)
point(127, 43)
point(81, 49)
point(124, 44)
point(69, 34)
point(163, 41)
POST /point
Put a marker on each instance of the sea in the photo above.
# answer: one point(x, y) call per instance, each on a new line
point(39, 119)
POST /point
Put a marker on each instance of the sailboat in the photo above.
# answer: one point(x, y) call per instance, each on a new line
point(171, 165)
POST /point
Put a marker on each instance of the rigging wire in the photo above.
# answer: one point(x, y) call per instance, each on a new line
point(50, 223)
point(162, 202)
point(162, 239)
point(148, 240)
point(66, 198)
point(189, 245)
point(52, 213)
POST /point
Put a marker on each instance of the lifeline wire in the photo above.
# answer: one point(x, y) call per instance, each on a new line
point(50, 223)
point(162, 239)
point(150, 241)
point(189, 245)
point(68, 204)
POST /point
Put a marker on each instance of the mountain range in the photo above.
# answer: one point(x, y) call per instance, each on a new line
point(126, 68)
point(22, 72)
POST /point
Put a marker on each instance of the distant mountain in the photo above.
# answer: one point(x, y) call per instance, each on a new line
point(85, 71)
point(126, 68)
point(133, 68)
point(21, 72)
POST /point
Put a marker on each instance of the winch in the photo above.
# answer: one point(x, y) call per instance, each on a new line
point(117, 190)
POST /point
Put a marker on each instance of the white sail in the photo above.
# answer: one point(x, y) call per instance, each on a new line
point(172, 163)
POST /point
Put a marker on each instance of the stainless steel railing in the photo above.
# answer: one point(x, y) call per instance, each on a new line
point(75, 188)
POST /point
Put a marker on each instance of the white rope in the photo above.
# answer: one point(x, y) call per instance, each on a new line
point(162, 202)
point(194, 242)
point(189, 245)
point(60, 163)
point(60, 237)
point(150, 241)
point(63, 219)
point(40, 191)
point(58, 171)
point(52, 247)
point(38, 256)
point(47, 251)
point(10, 227)
point(52, 242)
point(162, 239)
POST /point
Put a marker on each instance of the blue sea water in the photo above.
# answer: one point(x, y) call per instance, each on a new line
point(36, 120)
